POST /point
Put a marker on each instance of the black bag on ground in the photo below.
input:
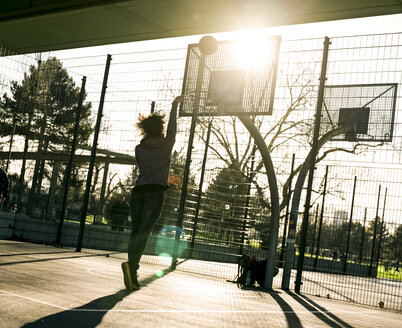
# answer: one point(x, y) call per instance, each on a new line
point(257, 271)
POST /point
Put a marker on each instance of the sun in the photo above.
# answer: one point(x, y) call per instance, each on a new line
point(251, 51)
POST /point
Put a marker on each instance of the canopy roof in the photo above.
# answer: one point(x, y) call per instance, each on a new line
point(44, 25)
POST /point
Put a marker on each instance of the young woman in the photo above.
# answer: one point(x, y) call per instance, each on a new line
point(153, 158)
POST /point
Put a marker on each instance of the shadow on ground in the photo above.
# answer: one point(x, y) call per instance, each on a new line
point(330, 319)
point(293, 321)
point(94, 311)
point(75, 317)
point(291, 318)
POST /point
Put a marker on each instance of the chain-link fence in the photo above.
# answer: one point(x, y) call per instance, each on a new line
point(353, 242)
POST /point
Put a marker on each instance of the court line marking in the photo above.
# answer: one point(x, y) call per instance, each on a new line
point(224, 294)
point(91, 271)
point(187, 311)
point(223, 311)
point(34, 300)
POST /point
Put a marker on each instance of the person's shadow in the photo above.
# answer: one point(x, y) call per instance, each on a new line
point(88, 315)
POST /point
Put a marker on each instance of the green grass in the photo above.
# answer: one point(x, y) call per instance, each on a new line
point(88, 220)
point(390, 274)
point(255, 244)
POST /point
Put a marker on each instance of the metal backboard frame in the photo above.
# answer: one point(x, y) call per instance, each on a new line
point(205, 74)
point(379, 102)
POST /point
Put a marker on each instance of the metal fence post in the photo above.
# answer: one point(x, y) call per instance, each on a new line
point(93, 155)
point(374, 235)
point(99, 213)
point(382, 228)
point(71, 160)
point(363, 236)
point(317, 252)
point(246, 206)
point(198, 205)
point(320, 99)
point(350, 226)
point(285, 226)
point(315, 229)
point(186, 172)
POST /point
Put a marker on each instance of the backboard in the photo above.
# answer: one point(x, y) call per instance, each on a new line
point(369, 109)
point(229, 81)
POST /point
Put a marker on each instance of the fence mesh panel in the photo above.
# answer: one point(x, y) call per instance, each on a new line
point(354, 240)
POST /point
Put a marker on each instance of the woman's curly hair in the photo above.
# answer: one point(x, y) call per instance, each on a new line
point(151, 125)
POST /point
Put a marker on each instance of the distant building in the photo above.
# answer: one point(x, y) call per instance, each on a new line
point(340, 216)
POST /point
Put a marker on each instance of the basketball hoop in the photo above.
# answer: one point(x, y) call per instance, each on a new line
point(369, 110)
point(213, 75)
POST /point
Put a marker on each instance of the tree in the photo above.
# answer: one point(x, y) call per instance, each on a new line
point(292, 128)
point(42, 107)
point(377, 232)
point(393, 246)
point(224, 203)
point(50, 96)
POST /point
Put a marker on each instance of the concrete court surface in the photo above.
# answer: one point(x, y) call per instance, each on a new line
point(44, 286)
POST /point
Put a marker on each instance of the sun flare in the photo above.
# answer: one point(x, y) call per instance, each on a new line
point(251, 51)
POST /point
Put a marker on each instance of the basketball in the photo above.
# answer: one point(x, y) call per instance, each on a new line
point(208, 45)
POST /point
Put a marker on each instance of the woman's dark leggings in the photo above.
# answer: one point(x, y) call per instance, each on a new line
point(145, 210)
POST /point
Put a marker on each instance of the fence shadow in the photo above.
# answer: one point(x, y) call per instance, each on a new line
point(52, 259)
point(319, 307)
point(291, 317)
point(320, 312)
